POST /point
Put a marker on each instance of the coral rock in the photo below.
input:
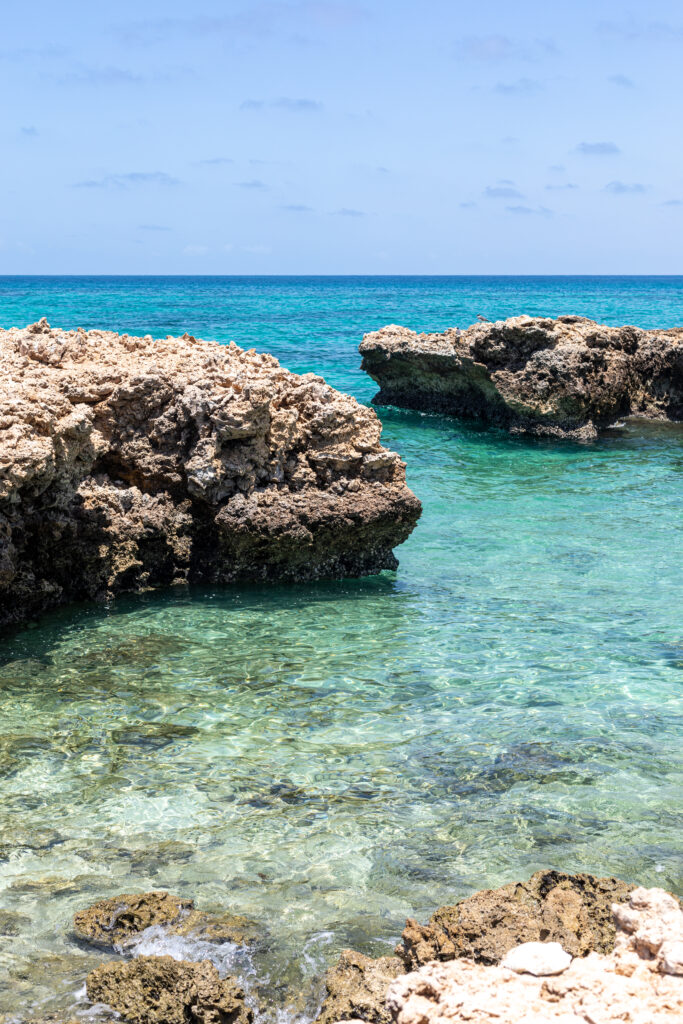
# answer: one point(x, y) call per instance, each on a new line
point(538, 958)
point(630, 984)
point(574, 910)
point(564, 377)
point(129, 463)
point(117, 921)
point(357, 987)
point(161, 990)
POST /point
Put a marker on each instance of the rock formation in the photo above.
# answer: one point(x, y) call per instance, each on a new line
point(565, 378)
point(120, 919)
point(574, 910)
point(128, 463)
point(641, 981)
point(357, 988)
point(161, 990)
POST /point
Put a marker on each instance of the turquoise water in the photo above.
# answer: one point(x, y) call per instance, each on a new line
point(328, 759)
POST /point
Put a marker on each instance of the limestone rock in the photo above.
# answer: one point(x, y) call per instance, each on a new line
point(161, 990)
point(129, 463)
point(566, 377)
point(116, 921)
point(629, 984)
point(574, 910)
point(538, 958)
point(357, 987)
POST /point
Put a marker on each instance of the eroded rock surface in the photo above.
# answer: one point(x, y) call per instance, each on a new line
point(161, 990)
point(120, 919)
point(641, 981)
point(128, 463)
point(357, 987)
point(574, 910)
point(564, 377)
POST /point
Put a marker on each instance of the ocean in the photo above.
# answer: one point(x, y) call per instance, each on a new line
point(330, 758)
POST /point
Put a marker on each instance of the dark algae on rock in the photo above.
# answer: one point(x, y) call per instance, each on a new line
point(129, 463)
point(566, 377)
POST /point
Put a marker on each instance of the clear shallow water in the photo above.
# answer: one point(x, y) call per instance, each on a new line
point(328, 759)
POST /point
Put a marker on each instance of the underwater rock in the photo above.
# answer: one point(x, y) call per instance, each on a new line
point(558, 378)
point(357, 987)
point(574, 910)
point(129, 463)
point(12, 923)
point(120, 919)
point(161, 990)
point(632, 983)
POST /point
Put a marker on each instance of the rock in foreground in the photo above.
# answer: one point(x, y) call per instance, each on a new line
point(559, 378)
point(641, 981)
point(161, 990)
point(357, 988)
point(128, 463)
point(574, 910)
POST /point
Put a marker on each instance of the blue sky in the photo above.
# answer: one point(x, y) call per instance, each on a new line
point(337, 137)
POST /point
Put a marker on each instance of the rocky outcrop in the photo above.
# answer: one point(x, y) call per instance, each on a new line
point(357, 988)
point(117, 921)
point(560, 378)
point(128, 463)
point(640, 981)
point(574, 910)
point(161, 990)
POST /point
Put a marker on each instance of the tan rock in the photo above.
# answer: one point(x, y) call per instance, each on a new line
point(161, 990)
point(574, 910)
point(538, 958)
point(129, 463)
point(357, 987)
point(563, 377)
point(630, 984)
point(118, 920)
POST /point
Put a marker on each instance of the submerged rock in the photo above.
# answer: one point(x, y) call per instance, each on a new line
point(574, 910)
point(161, 990)
point(357, 988)
point(560, 378)
point(633, 983)
point(119, 920)
point(128, 463)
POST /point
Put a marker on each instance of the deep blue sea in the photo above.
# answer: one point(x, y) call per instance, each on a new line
point(328, 759)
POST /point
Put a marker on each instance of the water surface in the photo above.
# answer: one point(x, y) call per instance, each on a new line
point(331, 758)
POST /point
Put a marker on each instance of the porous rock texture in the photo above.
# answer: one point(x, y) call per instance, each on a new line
point(559, 378)
point(574, 910)
point(116, 921)
point(357, 987)
point(640, 982)
point(161, 990)
point(128, 463)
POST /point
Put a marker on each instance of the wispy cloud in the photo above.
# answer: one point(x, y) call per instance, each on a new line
point(495, 48)
point(623, 80)
point(522, 87)
point(29, 131)
point(348, 211)
point(153, 227)
point(295, 106)
point(561, 188)
point(530, 211)
point(468, 205)
point(132, 178)
point(502, 192)
point(298, 208)
point(216, 161)
point(621, 188)
point(598, 148)
point(252, 183)
point(637, 31)
point(673, 202)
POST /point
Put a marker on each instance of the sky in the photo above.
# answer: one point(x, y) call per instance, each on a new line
point(334, 137)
